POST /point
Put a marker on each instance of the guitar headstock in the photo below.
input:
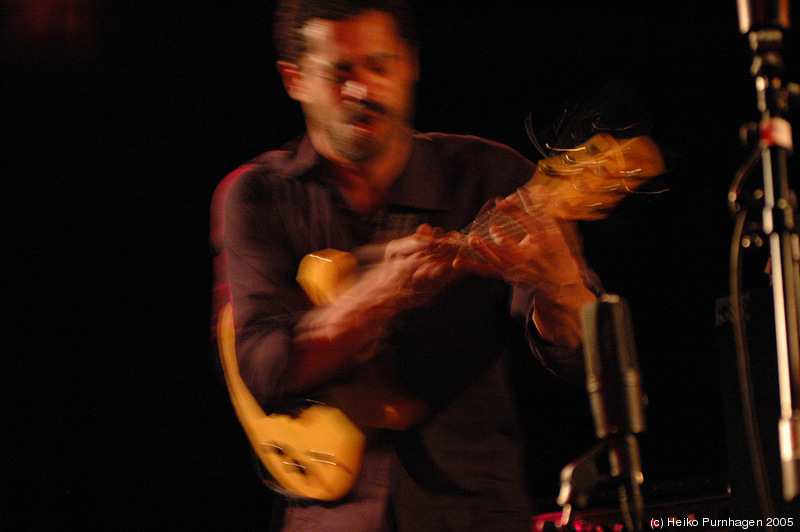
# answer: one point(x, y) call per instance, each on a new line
point(587, 182)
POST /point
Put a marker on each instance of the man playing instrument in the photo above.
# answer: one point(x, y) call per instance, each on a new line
point(442, 309)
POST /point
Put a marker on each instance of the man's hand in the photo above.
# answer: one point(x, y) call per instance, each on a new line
point(529, 247)
point(526, 244)
point(334, 338)
point(417, 267)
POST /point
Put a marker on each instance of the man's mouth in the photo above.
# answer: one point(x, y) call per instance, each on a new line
point(365, 123)
point(366, 115)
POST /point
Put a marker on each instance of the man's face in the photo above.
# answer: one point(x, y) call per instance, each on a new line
point(358, 77)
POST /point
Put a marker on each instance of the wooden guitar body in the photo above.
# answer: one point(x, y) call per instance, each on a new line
point(315, 455)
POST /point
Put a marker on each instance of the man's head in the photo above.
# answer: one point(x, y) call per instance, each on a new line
point(291, 16)
point(352, 65)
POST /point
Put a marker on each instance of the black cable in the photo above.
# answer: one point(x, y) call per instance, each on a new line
point(746, 391)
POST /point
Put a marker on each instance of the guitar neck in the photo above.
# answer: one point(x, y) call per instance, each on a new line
point(582, 183)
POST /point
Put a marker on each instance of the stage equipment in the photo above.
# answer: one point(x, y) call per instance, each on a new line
point(617, 400)
point(765, 23)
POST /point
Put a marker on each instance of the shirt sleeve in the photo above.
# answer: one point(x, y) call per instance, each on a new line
point(566, 362)
point(261, 269)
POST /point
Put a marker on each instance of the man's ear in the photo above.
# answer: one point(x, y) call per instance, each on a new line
point(292, 80)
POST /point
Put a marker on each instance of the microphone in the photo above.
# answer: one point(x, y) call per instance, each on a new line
point(612, 368)
point(616, 397)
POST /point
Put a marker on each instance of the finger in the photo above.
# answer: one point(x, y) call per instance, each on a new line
point(425, 230)
point(406, 246)
point(479, 247)
point(505, 237)
point(531, 221)
point(453, 237)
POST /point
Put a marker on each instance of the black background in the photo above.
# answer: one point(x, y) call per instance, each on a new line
point(115, 137)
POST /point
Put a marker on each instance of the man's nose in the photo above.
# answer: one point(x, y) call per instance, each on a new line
point(354, 90)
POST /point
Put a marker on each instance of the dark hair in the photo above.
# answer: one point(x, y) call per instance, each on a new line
point(292, 15)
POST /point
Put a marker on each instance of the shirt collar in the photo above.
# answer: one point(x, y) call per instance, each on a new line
point(422, 184)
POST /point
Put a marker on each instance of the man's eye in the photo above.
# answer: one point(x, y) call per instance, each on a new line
point(379, 67)
point(335, 77)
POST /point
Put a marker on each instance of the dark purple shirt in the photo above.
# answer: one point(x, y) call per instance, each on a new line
point(283, 205)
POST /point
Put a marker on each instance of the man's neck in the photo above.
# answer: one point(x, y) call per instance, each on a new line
point(365, 185)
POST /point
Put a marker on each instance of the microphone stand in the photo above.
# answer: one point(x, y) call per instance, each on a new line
point(617, 400)
point(581, 478)
point(779, 225)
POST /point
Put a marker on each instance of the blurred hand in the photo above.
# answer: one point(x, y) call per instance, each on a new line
point(417, 267)
point(526, 244)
